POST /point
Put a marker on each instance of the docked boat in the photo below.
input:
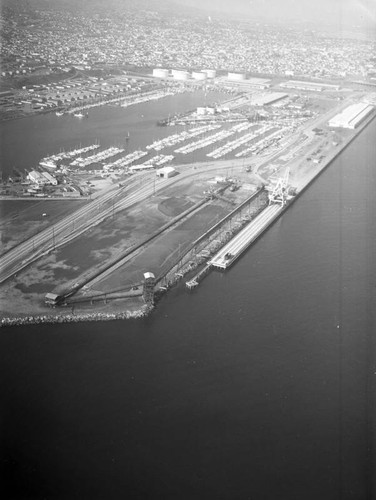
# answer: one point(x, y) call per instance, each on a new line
point(59, 113)
point(78, 115)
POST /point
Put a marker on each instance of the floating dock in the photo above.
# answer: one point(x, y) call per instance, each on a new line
point(234, 248)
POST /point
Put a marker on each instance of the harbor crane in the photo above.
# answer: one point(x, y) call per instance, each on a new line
point(278, 193)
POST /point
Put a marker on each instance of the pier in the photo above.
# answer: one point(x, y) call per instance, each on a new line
point(234, 248)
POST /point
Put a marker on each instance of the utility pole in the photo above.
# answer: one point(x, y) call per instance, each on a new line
point(53, 237)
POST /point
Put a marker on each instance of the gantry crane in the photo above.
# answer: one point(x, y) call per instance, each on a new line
point(278, 193)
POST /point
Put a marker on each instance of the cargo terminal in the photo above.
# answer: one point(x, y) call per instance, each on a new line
point(351, 116)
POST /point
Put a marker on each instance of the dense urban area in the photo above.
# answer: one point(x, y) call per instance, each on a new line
point(42, 47)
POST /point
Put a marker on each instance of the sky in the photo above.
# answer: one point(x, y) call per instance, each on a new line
point(345, 12)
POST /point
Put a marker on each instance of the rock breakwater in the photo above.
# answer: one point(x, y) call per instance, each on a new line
point(75, 318)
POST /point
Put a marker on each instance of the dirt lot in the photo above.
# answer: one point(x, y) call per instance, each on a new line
point(24, 294)
point(22, 219)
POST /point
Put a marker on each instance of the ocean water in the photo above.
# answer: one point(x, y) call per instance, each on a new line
point(258, 385)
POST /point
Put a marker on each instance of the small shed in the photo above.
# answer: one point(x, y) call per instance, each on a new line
point(166, 172)
point(52, 299)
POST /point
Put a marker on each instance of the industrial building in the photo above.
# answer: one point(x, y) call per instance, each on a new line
point(166, 172)
point(351, 116)
point(236, 76)
point(160, 73)
point(179, 74)
point(210, 73)
point(199, 75)
point(300, 85)
point(50, 179)
point(41, 178)
point(265, 99)
point(260, 83)
point(205, 110)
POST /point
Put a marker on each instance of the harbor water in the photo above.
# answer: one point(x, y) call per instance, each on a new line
point(27, 140)
point(260, 384)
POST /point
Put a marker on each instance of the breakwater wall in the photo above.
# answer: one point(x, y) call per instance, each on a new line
point(75, 318)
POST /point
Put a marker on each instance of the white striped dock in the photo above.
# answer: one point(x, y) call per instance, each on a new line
point(234, 248)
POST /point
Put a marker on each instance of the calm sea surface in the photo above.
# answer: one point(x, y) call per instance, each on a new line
point(259, 385)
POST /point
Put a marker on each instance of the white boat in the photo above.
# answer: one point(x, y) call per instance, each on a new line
point(78, 115)
point(59, 113)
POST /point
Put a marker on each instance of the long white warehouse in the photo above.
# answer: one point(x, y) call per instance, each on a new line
point(351, 116)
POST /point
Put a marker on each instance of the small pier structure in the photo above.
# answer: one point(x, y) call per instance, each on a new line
point(195, 281)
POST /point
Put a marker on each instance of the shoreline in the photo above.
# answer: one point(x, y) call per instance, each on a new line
point(145, 310)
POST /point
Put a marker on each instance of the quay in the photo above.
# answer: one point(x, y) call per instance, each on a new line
point(234, 248)
point(227, 255)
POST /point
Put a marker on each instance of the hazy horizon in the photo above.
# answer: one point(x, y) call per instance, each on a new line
point(339, 13)
point(342, 14)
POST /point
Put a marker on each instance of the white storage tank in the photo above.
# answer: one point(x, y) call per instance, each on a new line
point(236, 76)
point(160, 72)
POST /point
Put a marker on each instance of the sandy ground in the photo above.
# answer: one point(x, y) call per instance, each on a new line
point(20, 220)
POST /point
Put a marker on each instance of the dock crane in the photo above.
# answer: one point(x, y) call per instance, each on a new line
point(278, 193)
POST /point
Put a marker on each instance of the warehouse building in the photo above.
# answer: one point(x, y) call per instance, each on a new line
point(236, 76)
point(265, 99)
point(352, 116)
point(260, 83)
point(210, 73)
point(198, 75)
point(37, 178)
point(166, 172)
point(50, 179)
point(160, 73)
point(316, 87)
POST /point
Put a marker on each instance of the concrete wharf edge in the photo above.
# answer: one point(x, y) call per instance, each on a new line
point(194, 282)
